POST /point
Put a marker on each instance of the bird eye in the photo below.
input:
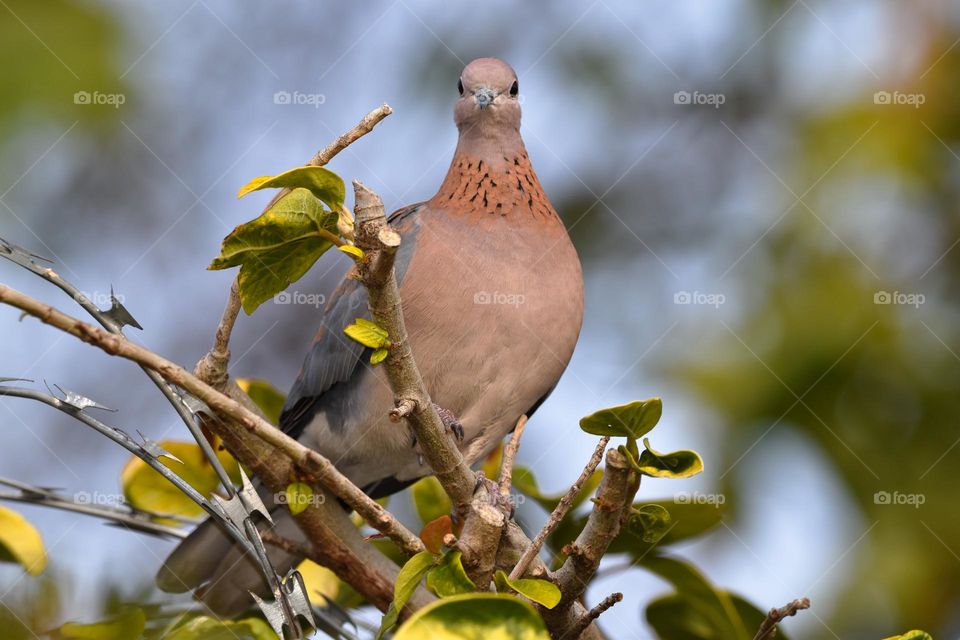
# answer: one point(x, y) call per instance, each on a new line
point(514, 89)
point(460, 86)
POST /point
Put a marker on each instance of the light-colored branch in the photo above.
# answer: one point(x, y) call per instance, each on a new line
point(587, 619)
point(480, 539)
point(365, 126)
point(305, 458)
point(603, 525)
point(212, 368)
point(769, 627)
point(509, 456)
point(376, 272)
point(560, 512)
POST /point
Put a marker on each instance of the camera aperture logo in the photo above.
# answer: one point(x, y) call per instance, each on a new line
point(99, 499)
point(299, 98)
point(699, 298)
point(98, 98)
point(699, 98)
point(896, 498)
point(899, 298)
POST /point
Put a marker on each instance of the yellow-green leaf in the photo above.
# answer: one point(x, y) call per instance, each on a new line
point(407, 581)
point(128, 625)
point(146, 489)
point(649, 522)
point(475, 616)
point(378, 356)
point(299, 496)
point(322, 183)
point(351, 250)
point(631, 420)
point(540, 591)
point(714, 606)
point(449, 578)
point(20, 542)
point(912, 635)
point(323, 586)
point(208, 628)
point(678, 464)
point(264, 395)
point(430, 500)
point(278, 247)
point(367, 333)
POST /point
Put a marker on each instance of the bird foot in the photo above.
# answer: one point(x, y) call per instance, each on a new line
point(450, 421)
point(504, 503)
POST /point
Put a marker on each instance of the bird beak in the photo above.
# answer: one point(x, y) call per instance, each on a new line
point(484, 96)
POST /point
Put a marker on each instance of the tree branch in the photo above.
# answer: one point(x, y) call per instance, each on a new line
point(560, 512)
point(603, 525)
point(587, 619)
point(304, 457)
point(769, 627)
point(380, 243)
point(509, 455)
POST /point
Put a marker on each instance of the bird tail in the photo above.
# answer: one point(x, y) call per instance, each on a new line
point(218, 571)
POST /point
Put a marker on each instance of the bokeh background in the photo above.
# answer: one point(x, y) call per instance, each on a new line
point(763, 194)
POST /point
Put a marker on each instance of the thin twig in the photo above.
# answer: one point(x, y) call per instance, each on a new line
point(365, 126)
point(324, 470)
point(587, 619)
point(509, 455)
point(769, 627)
point(560, 511)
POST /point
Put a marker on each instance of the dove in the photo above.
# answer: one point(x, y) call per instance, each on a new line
point(492, 295)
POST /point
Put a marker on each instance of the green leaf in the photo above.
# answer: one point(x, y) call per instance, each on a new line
point(264, 395)
point(407, 580)
point(209, 628)
point(525, 482)
point(20, 542)
point(146, 489)
point(686, 521)
point(322, 183)
point(714, 608)
point(128, 625)
point(673, 618)
point(378, 356)
point(299, 496)
point(367, 333)
point(430, 500)
point(475, 616)
point(631, 420)
point(912, 635)
point(540, 591)
point(679, 464)
point(352, 251)
point(277, 247)
point(649, 522)
point(449, 578)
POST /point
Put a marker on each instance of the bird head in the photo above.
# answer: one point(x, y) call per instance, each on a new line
point(489, 94)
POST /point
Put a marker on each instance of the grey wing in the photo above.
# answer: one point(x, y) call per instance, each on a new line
point(334, 357)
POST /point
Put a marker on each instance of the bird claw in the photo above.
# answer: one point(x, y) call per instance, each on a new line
point(450, 421)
